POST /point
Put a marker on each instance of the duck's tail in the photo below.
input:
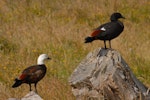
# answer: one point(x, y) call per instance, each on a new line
point(17, 83)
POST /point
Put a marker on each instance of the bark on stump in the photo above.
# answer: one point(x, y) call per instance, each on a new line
point(104, 75)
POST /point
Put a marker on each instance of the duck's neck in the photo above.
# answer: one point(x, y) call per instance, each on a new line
point(40, 61)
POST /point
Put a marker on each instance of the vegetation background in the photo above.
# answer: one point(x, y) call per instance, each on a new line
point(58, 28)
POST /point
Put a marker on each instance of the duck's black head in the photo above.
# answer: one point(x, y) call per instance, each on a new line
point(116, 16)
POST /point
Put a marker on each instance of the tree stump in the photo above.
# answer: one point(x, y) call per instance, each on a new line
point(104, 75)
point(30, 96)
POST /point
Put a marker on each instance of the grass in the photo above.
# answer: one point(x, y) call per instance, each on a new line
point(58, 28)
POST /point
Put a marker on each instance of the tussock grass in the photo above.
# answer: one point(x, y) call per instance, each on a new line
point(58, 28)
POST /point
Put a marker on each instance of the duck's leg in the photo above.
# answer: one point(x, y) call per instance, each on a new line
point(35, 87)
point(30, 86)
point(105, 43)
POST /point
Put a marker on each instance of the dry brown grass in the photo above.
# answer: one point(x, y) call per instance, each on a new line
point(58, 28)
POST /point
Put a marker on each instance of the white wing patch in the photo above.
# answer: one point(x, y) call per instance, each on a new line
point(103, 29)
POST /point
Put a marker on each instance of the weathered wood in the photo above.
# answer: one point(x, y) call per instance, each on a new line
point(104, 75)
point(30, 96)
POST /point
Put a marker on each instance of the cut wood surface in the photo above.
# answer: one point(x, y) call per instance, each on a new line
point(30, 96)
point(104, 75)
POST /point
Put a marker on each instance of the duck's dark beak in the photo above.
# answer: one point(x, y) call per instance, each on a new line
point(49, 58)
point(123, 17)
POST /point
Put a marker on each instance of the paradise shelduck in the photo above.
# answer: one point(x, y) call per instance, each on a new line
point(107, 31)
point(33, 74)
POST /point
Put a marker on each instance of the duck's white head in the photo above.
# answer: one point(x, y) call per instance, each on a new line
point(42, 58)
